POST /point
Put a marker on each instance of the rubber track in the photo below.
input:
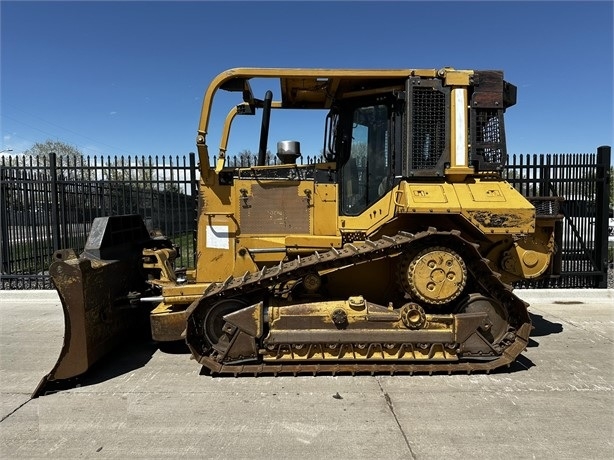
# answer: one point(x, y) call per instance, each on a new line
point(353, 254)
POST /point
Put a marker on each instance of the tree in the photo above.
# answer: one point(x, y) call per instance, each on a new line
point(43, 149)
point(247, 158)
point(359, 150)
point(69, 159)
point(134, 171)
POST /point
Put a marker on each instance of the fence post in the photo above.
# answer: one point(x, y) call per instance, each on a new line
point(61, 187)
point(4, 228)
point(55, 209)
point(195, 193)
point(601, 221)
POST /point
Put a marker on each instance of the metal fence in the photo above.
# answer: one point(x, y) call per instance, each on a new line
point(583, 181)
point(49, 203)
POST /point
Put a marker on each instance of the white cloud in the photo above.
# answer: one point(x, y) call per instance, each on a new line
point(11, 141)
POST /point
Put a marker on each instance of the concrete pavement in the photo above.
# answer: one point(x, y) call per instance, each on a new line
point(556, 402)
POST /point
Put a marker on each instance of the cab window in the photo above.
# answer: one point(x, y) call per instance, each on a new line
point(367, 173)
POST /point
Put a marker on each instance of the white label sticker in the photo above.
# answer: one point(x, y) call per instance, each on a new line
point(217, 236)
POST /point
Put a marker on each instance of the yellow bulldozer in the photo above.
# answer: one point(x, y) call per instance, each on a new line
point(395, 252)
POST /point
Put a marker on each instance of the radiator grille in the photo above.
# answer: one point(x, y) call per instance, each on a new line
point(546, 206)
point(428, 127)
point(275, 210)
point(488, 138)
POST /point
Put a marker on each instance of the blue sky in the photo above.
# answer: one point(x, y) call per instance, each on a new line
point(129, 77)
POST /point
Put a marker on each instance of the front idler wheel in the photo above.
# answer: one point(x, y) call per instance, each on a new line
point(214, 318)
point(496, 325)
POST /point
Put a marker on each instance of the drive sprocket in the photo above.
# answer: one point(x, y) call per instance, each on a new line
point(435, 275)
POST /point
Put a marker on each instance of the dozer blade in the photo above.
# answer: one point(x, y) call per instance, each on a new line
point(96, 290)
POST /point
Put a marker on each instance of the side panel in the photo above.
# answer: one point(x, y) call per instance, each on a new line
point(325, 210)
point(494, 208)
point(217, 229)
point(247, 224)
point(372, 219)
point(275, 208)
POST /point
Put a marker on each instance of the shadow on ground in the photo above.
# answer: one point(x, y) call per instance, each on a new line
point(543, 327)
point(137, 354)
point(126, 358)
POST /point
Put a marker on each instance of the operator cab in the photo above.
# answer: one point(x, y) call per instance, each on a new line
point(365, 148)
point(382, 126)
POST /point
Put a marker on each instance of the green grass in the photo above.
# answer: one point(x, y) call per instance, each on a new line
point(186, 244)
point(29, 258)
